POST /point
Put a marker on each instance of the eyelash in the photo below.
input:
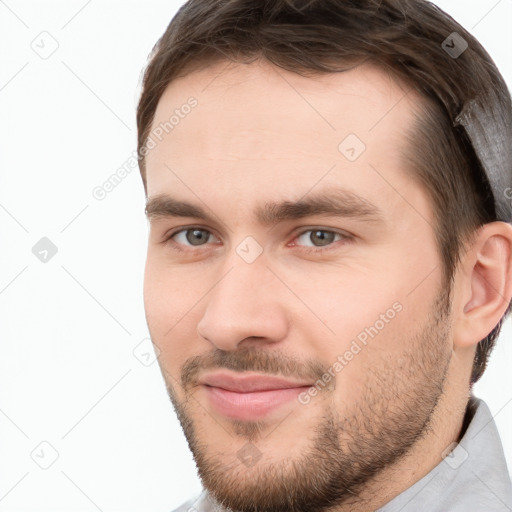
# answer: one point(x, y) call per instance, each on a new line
point(344, 238)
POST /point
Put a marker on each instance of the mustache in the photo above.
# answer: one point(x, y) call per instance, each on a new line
point(251, 359)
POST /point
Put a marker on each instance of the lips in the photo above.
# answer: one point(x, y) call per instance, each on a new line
point(249, 382)
point(249, 396)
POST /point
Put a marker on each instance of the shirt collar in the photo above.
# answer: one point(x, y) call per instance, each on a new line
point(472, 476)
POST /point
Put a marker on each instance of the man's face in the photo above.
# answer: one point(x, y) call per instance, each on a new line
point(346, 307)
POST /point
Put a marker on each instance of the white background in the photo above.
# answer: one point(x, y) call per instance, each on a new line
point(68, 327)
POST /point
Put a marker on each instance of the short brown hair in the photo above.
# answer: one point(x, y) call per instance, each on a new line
point(406, 38)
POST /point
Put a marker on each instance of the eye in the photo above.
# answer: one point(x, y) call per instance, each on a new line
point(320, 238)
point(193, 237)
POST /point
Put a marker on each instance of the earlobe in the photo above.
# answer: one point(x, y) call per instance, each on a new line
point(486, 287)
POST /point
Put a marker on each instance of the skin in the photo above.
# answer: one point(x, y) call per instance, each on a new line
point(261, 134)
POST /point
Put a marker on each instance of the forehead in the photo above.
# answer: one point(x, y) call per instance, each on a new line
point(256, 124)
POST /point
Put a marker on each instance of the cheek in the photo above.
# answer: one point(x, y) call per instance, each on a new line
point(169, 291)
point(363, 321)
point(346, 300)
point(171, 308)
point(365, 361)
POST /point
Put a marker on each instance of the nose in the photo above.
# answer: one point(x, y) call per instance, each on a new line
point(245, 307)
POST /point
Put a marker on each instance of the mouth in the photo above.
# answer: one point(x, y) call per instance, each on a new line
point(249, 396)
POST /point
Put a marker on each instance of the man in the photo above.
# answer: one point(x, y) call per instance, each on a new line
point(330, 252)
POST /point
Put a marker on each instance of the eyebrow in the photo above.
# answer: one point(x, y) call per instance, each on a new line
point(332, 202)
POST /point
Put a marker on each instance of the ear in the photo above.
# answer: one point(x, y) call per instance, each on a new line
point(483, 284)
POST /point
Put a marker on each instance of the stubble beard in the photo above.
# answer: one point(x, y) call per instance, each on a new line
point(344, 453)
